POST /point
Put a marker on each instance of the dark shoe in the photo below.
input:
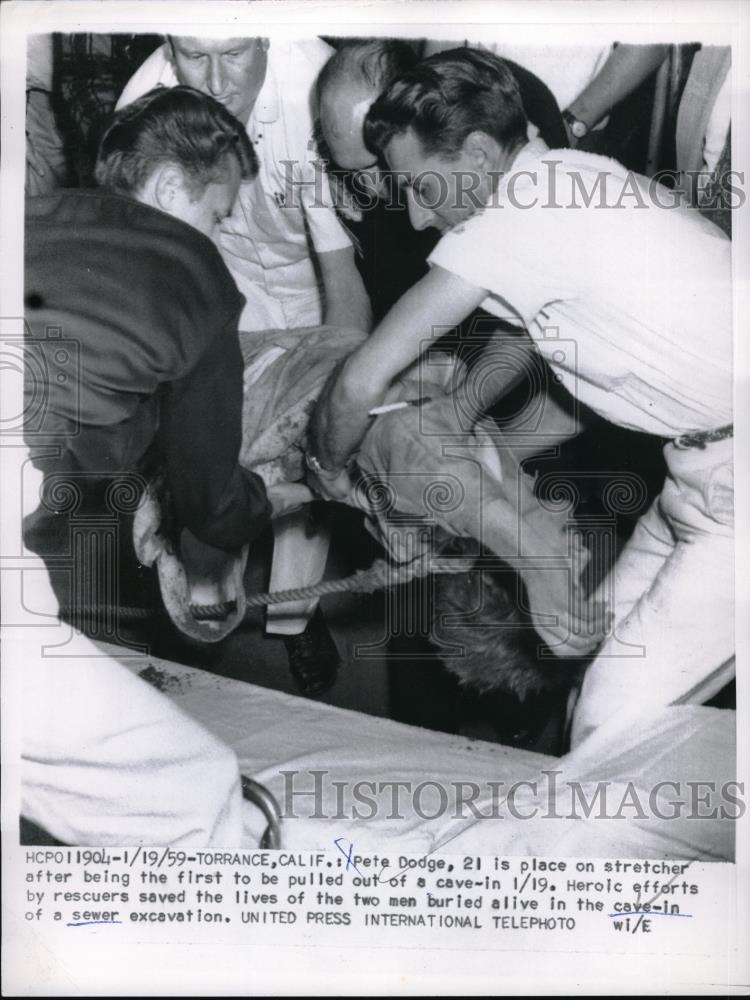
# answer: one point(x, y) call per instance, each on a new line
point(313, 657)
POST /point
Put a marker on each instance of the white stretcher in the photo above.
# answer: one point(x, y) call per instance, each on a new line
point(648, 777)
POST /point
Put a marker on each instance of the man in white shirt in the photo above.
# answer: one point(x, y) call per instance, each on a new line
point(265, 243)
point(288, 253)
point(627, 295)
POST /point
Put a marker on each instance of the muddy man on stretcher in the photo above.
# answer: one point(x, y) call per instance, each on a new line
point(439, 485)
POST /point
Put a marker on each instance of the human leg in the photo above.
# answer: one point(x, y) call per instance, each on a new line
point(299, 560)
point(675, 641)
point(425, 464)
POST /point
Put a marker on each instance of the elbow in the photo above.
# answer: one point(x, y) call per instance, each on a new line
point(362, 384)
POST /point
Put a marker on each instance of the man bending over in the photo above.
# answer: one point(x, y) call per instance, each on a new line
point(131, 274)
point(628, 298)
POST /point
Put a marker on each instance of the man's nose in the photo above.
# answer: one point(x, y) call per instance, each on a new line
point(419, 216)
point(216, 77)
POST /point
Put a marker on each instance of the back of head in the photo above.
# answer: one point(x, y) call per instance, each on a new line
point(445, 98)
point(366, 64)
point(176, 125)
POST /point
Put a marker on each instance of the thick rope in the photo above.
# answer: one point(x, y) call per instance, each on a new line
point(381, 575)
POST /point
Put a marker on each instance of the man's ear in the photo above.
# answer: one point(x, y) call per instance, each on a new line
point(168, 184)
point(481, 149)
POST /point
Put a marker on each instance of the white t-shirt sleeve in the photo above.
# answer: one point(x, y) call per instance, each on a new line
point(312, 182)
point(499, 250)
point(156, 70)
point(302, 61)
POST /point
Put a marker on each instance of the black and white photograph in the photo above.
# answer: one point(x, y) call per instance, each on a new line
point(371, 588)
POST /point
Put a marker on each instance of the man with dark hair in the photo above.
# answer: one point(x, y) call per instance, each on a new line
point(132, 284)
point(174, 127)
point(392, 254)
point(137, 283)
point(290, 257)
point(626, 294)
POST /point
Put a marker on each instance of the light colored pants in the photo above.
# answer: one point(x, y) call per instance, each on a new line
point(300, 552)
point(672, 594)
point(285, 371)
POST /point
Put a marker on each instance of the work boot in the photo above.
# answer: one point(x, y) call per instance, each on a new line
point(313, 657)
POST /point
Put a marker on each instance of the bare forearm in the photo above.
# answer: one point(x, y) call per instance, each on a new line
point(346, 301)
point(340, 419)
point(627, 67)
point(349, 307)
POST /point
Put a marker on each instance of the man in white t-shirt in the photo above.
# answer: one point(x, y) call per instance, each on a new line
point(627, 295)
point(288, 253)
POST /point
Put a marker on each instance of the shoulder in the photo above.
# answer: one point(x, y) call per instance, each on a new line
point(157, 69)
point(116, 232)
point(147, 278)
point(296, 67)
point(307, 57)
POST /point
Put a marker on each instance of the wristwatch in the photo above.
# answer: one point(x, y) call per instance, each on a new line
point(578, 129)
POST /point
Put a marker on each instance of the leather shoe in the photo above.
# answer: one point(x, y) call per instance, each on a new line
point(313, 657)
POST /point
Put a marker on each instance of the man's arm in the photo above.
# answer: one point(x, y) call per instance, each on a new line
point(199, 437)
point(341, 419)
point(627, 68)
point(346, 301)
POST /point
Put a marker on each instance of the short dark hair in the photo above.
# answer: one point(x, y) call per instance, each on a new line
point(177, 125)
point(376, 62)
point(446, 97)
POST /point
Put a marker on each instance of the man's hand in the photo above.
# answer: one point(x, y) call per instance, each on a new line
point(286, 498)
point(346, 301)
point(581, 626)
point(331, 486)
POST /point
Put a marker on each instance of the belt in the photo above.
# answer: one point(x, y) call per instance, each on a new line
point(701, 438)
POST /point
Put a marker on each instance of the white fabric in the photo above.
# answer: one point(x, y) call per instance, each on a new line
point(566, 69)
point(628, 761)
point(286, 212)
point(631, 306)
point(273, 733)
point(718, 126)
point(672, 594)
point(107, 760)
